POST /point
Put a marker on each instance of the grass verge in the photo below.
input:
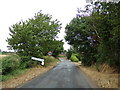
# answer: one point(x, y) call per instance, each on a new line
point(12, 74)
point(19, 77)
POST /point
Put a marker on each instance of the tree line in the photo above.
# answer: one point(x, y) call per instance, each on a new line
point(95, 34)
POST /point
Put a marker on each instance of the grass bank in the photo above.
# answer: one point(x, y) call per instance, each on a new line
point(19, 75)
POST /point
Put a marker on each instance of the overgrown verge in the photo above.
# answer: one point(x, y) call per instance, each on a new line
point(13, 66)
point(49, 60)
point(18, 76)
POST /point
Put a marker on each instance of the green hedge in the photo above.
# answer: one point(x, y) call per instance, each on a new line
point(27, 62)
point(10, 63)
point(74, 58)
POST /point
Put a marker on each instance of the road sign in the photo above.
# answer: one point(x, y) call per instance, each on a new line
point(49, 53)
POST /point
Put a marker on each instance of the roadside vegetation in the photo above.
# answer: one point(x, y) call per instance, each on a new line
point(12, 66)
point(94, 34)
point(74, 58)
point(49, 60)
point(34, 37)
point(20, 76)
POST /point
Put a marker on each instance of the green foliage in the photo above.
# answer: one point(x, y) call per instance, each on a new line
point(94, 33)
point(55, 46)
point(29, 64)
point(10, 63)
point(78, 56)
point(77, 36)
point(49, 60)
point(13, 62)
point(68, 54)
point(13, 65)
point(12, 74)
point(108, 49)
point(32, 37)
point(7, 53)
point(74, 58)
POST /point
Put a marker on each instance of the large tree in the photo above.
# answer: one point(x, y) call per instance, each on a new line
point(95, 32)
point(79, 36)
point(28, 37)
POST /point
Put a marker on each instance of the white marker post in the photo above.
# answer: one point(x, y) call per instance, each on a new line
point(38, 59)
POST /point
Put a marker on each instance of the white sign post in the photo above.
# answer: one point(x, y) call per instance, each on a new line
point(38, 59)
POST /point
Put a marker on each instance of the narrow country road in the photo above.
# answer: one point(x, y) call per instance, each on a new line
point(64, 75)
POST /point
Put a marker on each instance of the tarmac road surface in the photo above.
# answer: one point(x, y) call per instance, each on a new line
point(65, 75)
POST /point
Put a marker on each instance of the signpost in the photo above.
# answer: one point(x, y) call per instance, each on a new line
point(38, 59)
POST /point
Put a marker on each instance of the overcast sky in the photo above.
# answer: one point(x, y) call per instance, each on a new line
point(13, 11)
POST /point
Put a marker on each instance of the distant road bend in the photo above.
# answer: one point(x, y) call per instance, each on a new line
point(64, 75)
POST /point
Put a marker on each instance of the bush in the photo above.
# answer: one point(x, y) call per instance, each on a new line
point(49, 60)
point(56, 54)
point(27, 62)
point(10, 63)
point(74, 58)
point(68, 54)
point(78, 56)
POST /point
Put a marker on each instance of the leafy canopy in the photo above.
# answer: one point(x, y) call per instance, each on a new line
point(34, 36)
point(95, 34)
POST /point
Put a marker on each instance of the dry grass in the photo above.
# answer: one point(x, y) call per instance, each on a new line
point(103, 79)
point(1, 56)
